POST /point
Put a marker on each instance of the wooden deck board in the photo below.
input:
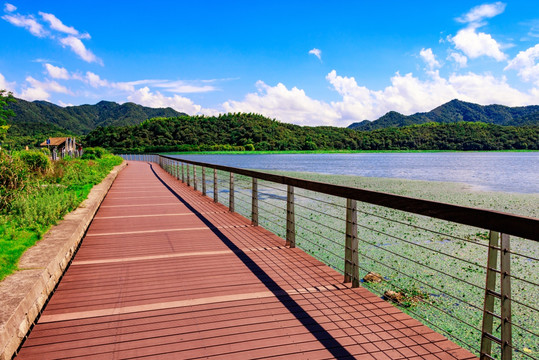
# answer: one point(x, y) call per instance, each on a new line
point(141, 286)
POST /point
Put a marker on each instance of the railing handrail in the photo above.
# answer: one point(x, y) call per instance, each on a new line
point(511, 224)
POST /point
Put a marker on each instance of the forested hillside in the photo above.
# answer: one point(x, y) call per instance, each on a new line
point(84, 118)
point(248, 131)
point(455, 111)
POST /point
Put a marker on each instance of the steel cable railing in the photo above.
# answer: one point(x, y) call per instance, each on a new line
point(423, 244)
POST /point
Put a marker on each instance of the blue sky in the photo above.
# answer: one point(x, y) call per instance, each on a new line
point(309, 63)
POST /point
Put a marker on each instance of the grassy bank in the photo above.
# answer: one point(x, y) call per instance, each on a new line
point(36, 194)
point(440, 262)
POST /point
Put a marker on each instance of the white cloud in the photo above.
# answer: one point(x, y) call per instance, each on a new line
point(56, 24)
point(9, 7)
point(316, 52)
point(292, 106)
point(40, 90)
point(526, 64)
point(145, 97)
point(78, 48)
point(481, 12)
point(95, 81)
point(27, 22)
point(474, 44)
point(460, 59)
point(57, 72)
point(182, 87)
point(429, 58)
point(5, 85)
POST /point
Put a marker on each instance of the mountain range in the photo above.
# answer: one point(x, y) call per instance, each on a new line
point(455, 111)
point(83, 118)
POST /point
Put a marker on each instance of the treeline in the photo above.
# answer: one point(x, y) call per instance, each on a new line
point(255, 132)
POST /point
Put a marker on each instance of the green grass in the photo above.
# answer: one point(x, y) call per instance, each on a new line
point(44, 203)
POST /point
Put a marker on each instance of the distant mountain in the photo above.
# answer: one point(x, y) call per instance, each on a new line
point(84, 118)
point(455, 111)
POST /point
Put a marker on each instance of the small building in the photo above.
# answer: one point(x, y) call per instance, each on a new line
point(62, 146)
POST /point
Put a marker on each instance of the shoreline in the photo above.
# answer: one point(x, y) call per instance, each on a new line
point(268, 152)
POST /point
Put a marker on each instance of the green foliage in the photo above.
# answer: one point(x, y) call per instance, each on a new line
point(94, 153)
point(5, 112)
point(84, 118)
point(35, 160)
point(35, 201)
point(236, 131)
point(13, 178)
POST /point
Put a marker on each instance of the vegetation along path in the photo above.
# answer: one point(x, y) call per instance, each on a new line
point(165, 272)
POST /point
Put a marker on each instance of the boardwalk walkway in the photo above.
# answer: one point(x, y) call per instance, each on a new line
point(165, 273)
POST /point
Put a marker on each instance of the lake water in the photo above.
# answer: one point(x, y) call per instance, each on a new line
point(489, 171)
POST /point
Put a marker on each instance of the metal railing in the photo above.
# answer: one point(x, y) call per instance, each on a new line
point(437, 261)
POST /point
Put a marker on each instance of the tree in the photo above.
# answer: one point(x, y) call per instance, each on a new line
point(5, 113)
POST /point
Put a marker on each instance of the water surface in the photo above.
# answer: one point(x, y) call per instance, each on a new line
point(489, 171)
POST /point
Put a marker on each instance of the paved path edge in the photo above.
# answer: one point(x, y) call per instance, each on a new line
point(24, 293)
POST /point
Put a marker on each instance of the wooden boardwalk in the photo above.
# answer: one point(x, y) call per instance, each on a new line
point(165, 273)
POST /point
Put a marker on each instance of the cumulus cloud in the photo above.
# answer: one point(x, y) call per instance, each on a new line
point(41, 90)
point(481, 12)
point(292, 105)
point(526, 64)
point(429, 58)
point(475, 44)
point(406, 94)
point(27, 22)
point(76, 45)
point(316, 52)
point(57, 72)
point(9, 7)
point(5, 85)
point(461, 60)
point(146, 97)
point(95, 81)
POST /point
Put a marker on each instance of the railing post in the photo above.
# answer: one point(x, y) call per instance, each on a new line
point(351, 257)
point(231, 193)
point(290, 222)
point(215, 187)
point(490, 293)
point(504, 295)
point(505, 287)
point(254, 202)
point(194, 177)
point(177, 170)
point(188, 176)
point(183, 174)
point(203, 180)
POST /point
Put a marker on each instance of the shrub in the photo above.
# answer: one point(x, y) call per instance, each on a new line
point(36, 161)
point(13, 178)
point(94, 153)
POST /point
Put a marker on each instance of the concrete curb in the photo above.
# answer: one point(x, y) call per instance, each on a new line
point(23, 294)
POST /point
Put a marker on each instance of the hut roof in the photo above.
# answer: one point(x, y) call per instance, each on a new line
point(55, 141)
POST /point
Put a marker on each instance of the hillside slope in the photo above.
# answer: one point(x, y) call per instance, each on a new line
point(455, 111)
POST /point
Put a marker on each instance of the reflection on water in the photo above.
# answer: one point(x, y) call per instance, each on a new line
point(495, 171)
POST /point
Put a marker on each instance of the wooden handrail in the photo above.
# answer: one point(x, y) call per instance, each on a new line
point(516, 225)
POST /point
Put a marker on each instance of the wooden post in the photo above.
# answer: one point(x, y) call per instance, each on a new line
point(505, 287)
point(351, 257)
point(188, 177)
point(215, 187)
point(490, 294)
point(183, 174)
point(254, 202)
point(231, 193)
point(194, 177)
point(290, 222)
point(203, 181)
